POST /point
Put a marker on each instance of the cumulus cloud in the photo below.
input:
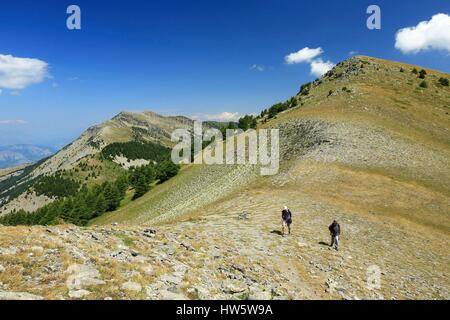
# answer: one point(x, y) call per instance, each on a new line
point(224, 116)
point(12, 122)
point(320, 67)
point(427, 35)
point(257, 68)
point(304, 55)
point(18, 73)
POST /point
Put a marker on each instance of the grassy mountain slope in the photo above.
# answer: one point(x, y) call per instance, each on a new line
point(366, 146)
point(378, 124)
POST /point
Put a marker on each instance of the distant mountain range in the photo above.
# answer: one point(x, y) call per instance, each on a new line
point(14, 155)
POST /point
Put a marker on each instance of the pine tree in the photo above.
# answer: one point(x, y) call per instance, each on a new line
point(141, 186)
point(166, 169)
point(112, 197)
point(122, 185)
point(100, 205)
point(91, 200)
point(66, 209)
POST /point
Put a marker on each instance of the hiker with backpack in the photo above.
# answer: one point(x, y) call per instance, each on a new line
point(286, 220)
point(335, 231)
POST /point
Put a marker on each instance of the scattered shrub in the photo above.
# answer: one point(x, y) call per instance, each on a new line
point(444, 82)
point(423, 84)
point(304, 89)
point(422, 74)
point(277, 108)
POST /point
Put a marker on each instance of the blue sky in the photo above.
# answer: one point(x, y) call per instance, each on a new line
point(182, 57)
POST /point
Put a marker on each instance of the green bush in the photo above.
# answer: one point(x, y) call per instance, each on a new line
point(277, 108)
point(422, 74)
point(444, 81)
point(423, 84)
point(304, 89)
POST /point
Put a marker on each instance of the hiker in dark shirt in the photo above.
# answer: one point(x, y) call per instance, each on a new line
point(335, 231)
point(286, 220)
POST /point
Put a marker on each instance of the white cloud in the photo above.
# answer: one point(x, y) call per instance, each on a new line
point(257, 68)
point(352, 53)
point(12, 122)
point(18, 73)
point(320, 67)
point(303, 55)
point(224, 116)
point(427, 35)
